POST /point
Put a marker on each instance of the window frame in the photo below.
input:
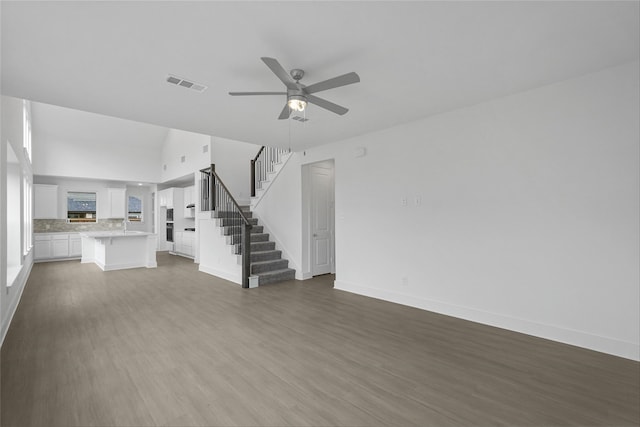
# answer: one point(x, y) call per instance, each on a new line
point(140, 218)
point(90, 220)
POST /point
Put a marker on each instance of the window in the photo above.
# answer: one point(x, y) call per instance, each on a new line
point(81, 207)
point(134, 209)
point(26, 130)
point(27, 215)
point(13, 215)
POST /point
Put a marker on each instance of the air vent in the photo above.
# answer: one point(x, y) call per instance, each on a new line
point(179, 81)
point(300, 119)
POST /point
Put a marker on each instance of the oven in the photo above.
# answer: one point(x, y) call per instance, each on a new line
point(169, 232)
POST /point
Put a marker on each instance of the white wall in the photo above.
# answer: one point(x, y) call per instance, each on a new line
point(215, 256)
point(233, 165)
point(54, 156)
point(12, 284)
point(527, 212)
point(195, 148)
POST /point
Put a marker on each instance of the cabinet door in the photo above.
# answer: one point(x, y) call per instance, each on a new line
point(169, 197)
point(187, 243)
point(117, 203)
point(75, 246)
point(177, 241)
point(60, 246)
point(162, 197)
point(189, 199)
point(42, 249)
point(45, 201)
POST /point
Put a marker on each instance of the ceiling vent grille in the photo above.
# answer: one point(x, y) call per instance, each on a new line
point(179, 81)
point(300, 119)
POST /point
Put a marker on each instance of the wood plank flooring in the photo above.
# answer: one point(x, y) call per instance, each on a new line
point(172, 346)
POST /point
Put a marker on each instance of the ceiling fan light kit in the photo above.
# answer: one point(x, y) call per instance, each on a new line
point(297, 102)
point(298, 95)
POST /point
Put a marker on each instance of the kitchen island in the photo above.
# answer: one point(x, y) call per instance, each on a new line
point(118, 250)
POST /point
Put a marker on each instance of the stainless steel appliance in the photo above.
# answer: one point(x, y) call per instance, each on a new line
point(169, 232)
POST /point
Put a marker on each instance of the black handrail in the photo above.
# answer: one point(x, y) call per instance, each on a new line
point(215, 196)
point(263, 164)
point(253, 171)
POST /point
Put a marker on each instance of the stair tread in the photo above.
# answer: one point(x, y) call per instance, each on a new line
point(274, 272)
point(269, 261)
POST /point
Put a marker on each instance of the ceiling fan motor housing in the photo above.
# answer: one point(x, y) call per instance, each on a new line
point(297, 74)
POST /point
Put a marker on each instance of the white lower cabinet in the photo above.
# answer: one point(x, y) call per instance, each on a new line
point(42, 247)
point(51, 246)
point(75, 245)
point(60, 246)
point(184, 243)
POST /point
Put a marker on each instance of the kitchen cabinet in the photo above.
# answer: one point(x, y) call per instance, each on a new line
point(60, 246)
point(184, 243)
point(166, 197)
point(75, 245)
point(189, 199)
point(45, 201)
point(117, 205)
point(57, 246)
point(42, 247)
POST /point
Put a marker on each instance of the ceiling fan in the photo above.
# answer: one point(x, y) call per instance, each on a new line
point(299, 94)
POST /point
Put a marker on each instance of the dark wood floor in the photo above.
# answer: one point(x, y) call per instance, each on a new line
point(172, 346)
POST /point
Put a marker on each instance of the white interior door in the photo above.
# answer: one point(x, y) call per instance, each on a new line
point(322, 218)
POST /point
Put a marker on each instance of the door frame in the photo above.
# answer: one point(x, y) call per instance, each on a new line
point(307, 240)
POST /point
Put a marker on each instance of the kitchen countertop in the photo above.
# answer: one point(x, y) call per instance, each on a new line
point(53, 233)
point(119, 233)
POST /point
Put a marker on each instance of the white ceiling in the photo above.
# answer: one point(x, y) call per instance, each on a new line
point(414, 59)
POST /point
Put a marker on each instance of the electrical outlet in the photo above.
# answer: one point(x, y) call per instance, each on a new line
point(47, 226)
point(405, 281)
point(403, 201)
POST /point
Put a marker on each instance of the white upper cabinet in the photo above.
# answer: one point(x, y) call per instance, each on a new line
point(166, 197)
point(45, 201)
point(189, 200)
point(117, 203)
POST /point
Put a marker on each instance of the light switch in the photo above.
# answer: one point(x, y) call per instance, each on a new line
point(417, 200)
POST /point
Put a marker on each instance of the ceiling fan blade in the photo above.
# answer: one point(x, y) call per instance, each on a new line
point(284, 114)
point(335, 108)
point(343, 80)
point(282, 74)
point(256, 93)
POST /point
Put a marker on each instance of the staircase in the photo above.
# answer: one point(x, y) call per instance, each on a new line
point(266, 263)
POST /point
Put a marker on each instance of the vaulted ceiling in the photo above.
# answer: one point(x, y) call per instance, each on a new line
point(414, 58)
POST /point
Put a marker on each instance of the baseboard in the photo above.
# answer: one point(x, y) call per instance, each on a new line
point(226, 275)
point(607, 345)
point(57, 259)
point(19, 283)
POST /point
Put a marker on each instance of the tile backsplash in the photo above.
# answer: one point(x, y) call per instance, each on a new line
point(56, 225)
